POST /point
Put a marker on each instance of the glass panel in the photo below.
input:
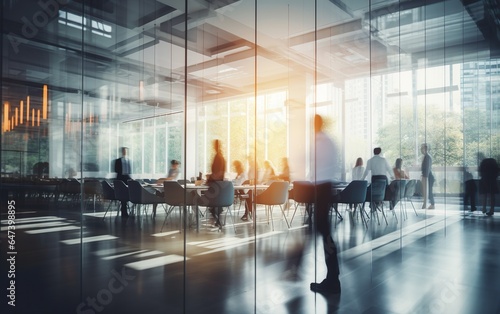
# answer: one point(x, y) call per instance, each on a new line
point(83, 79)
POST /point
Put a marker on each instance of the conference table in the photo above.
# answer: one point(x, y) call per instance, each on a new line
point(200, 188)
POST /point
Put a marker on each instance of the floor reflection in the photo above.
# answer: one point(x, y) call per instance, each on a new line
point(440, 261)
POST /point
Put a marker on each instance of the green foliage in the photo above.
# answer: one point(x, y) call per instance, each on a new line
point(403, 134)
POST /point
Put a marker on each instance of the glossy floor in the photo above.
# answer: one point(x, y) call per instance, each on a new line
point(441, 261)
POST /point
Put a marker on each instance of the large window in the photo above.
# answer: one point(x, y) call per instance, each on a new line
point(81, 79)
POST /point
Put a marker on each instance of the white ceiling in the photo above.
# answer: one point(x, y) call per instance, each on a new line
point(148, 40)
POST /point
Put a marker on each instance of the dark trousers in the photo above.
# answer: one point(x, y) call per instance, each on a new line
point(123, 208)
point(470, 194)
point(322, 225)
point(430, 186)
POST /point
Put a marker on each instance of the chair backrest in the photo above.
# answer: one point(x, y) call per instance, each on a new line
point(108, 192)
point(176, 195)
point(135, 191)
point(355, 192)
point(275, 194)
point(121, 190)
point(380, 177)
point(219, 194)
point(74, 186)
point(395, 191)
point(411, 186)
point(91, 187)
point(376, 191)
point(141, 195)
point(303, 192)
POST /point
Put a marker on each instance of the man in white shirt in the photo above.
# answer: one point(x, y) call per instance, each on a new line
point(378, 165)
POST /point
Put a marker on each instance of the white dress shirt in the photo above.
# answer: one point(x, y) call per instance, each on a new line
point(325, 165)
point(378, 166)
point(125, 165)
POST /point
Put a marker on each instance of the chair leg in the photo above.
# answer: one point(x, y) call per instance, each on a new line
point(413, 207)
point(307, 213)
point(364, 215)
point(339, 216)
point(284, 215)
point(294, 211)
point(228, 212)
point(394, 211)
point(269, 213)
point(383, 214)
point(374, 209)
point(218, 211)
point(168, 211)
point(107, 210)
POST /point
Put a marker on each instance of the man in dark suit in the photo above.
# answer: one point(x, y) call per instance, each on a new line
point(123, 169)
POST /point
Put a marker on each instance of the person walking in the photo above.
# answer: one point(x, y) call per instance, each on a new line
point(427, 177)
point(326, 171)
point(123, 169)
point(488, 186)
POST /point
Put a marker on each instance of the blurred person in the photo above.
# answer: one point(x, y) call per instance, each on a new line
point(488, 186)
point(399, 173)
point(218, 171)
point(285, 176)
point(427, 177)
point(253, 170)
point(240, 173)
point(123, 169)
point(285, 170)
point(173, 172)
point(326, 167)
point(240, 179)
point(269, 172)
point(470, 191)
point(378, 166)
point(324, 174)
point(357, 173)
point(358, 170)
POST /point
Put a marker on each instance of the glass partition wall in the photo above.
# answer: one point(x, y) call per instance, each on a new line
point(81, 80)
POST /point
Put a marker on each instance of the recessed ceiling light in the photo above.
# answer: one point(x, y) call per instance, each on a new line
point(212, 91)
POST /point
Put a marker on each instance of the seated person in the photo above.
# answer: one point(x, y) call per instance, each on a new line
point(240, 173)
point(269, 172)
point(399, 173)
point(240, 180)
point(173, 172)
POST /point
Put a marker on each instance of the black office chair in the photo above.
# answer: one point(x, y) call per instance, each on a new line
point(121, 192)
point(176, 196)
point(375, 196)
point(354, 193)
point(108, 194)
point(241, 196)
point(219, 194)
point(394, 193)
point(303, 193)
point(140, 196)
point(275, 194)
point(410, 188)
point(92, 192)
